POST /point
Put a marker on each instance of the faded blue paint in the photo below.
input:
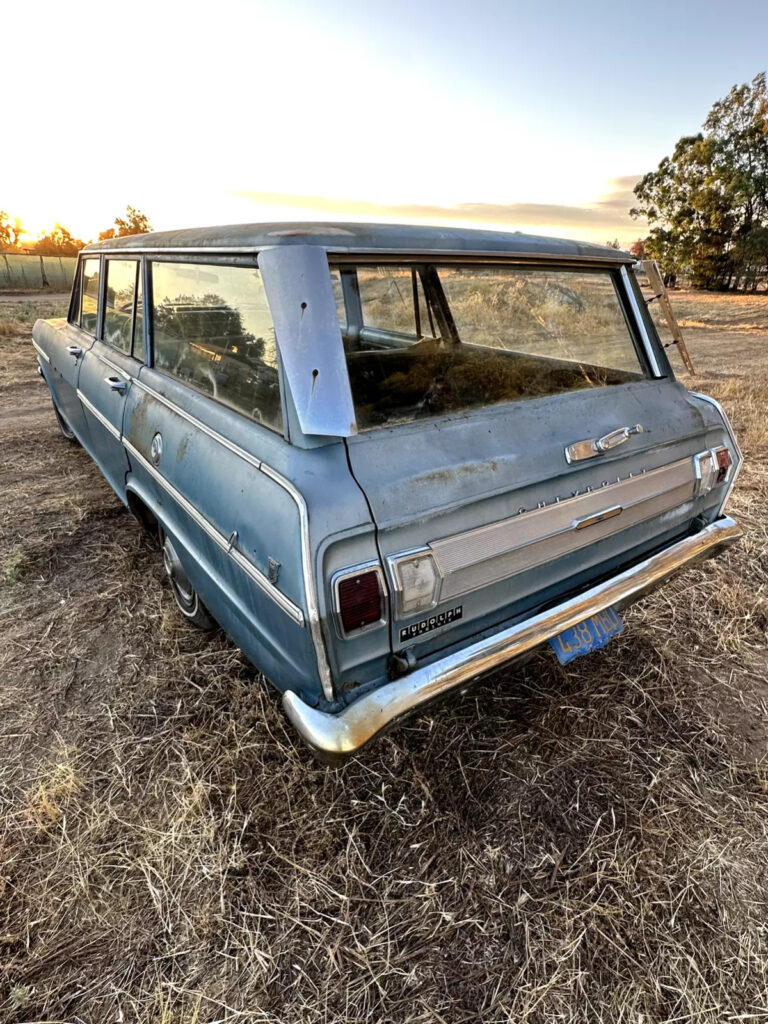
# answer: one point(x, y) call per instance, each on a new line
point(230, 492)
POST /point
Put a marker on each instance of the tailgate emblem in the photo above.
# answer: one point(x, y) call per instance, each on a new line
point(598, 517)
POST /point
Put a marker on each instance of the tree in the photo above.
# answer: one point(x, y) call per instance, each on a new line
point(58, 242)
point(134, 223)
point(708, 203)
point(10, 232)
point(614, 244)
point(637, 249)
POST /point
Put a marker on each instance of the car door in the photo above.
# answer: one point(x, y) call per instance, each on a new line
point(64, 349)
point(111, 363)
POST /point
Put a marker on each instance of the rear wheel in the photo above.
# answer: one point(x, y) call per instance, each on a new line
point(185, 595)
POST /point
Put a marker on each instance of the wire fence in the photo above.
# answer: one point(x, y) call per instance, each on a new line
point(21, 271)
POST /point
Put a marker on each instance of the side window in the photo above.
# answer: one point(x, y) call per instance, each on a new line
point(118, 311)
point(392, 299)
point(89, 290)
point(212, 329)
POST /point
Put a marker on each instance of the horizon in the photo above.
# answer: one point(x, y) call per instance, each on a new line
point(419, 115)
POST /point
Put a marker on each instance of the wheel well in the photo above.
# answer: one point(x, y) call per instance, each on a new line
point(142, 513)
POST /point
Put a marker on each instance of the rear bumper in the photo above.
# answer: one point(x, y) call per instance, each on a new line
point(343, 733)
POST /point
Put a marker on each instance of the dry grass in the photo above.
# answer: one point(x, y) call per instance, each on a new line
point(579, 844)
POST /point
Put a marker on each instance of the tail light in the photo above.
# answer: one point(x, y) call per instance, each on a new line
point(359, 600)
point(712, 468)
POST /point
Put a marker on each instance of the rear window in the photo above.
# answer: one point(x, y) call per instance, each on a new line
point(425, 340)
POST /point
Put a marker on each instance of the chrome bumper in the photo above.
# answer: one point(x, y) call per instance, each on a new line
point(345, 732)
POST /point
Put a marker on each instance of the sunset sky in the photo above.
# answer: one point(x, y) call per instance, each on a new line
point(538, 117)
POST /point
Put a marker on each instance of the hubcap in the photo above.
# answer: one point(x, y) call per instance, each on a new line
point(176, 574)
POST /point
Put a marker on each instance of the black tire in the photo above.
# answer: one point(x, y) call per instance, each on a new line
point(187, 599)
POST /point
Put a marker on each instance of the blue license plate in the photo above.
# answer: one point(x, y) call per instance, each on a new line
point(586, 636)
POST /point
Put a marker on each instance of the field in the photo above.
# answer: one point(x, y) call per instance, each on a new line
point(579, 844)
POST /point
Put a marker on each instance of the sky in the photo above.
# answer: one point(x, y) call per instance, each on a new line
point(526, 116)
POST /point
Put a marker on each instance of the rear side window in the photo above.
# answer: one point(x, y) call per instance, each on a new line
point(89, 296)
point(212, 330)
point(119, 307)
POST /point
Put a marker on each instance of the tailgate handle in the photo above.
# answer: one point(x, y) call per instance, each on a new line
point(600, 445)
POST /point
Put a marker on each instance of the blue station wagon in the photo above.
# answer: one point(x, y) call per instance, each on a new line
point(389, 459)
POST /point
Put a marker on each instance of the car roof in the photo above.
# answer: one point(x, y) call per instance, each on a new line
point(352, 237)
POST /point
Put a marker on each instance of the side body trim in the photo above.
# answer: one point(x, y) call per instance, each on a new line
point(223, 542)
point(43, 355)
point(99, 416)
point(313, 612)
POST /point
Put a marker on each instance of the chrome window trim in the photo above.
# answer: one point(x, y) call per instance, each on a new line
point(40, 352)
point(99, 416)
point(737, 451)
point(640, 323)
point(310, 591)
point(357, 570)
point(223, 542)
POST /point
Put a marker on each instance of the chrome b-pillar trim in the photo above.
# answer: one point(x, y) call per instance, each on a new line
point(343, 733)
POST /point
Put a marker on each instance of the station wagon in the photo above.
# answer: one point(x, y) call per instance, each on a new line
point(389, 459)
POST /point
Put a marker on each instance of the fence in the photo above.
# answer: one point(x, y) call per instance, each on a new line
point(19, 271)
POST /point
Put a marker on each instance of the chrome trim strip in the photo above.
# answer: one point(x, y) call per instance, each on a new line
point(310, 591)
point(344, 733)
point(40, 352)
point(734, 442)
point(213, 434)
point(99, 416)
point(649, 350)
point(223, 542)
point(487, 554)
point(113, 366)
point(499, 255)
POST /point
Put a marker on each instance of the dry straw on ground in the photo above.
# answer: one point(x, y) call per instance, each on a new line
point(564, 844)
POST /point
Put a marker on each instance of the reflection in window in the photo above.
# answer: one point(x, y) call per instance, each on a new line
point(118, 313)
point(89, 309)
point(212, 329)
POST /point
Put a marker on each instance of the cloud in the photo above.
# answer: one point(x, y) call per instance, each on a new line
point(604, 218)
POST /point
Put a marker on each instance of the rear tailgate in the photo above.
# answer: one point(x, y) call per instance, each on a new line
point(510, 523)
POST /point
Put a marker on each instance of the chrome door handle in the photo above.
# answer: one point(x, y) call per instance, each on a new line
point(594, 446)
point(74, 350)
point(617, 437)
point(116, 384)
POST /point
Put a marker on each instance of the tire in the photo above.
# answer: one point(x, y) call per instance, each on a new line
point(187, 599)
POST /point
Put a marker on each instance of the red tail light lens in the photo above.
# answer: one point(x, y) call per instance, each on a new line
point(724, 463)
point(360, 600)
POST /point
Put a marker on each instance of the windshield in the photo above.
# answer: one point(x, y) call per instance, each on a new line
point(423, 340)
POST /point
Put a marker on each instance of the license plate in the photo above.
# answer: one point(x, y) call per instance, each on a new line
point(586, 636)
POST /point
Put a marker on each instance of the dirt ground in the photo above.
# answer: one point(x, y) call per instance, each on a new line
point(587, 843)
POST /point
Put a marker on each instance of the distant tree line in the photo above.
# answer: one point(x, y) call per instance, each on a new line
point(58, 241)
point(708, 203)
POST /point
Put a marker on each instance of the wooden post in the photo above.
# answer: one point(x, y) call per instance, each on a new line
point(660, 292)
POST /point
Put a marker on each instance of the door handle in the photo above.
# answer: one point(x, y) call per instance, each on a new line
point(74, 350)
point(600, 445)
point(617, 437)
point(116, 384)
